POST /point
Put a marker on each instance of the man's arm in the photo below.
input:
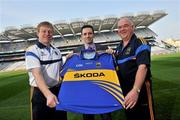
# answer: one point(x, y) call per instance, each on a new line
point(140, 77)
point(51, 98)
point(132, 97)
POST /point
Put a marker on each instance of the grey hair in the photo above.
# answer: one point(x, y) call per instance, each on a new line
point(127, 19)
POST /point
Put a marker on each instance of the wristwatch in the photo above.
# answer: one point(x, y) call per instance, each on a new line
point(137, 89)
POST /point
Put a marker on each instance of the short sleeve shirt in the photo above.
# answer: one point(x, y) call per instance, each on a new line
point(136, 52)
point(48, 59)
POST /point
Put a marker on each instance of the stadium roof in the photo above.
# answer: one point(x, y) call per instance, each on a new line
point(63, 28)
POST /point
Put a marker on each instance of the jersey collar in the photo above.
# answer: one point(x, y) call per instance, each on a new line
point(42, 46)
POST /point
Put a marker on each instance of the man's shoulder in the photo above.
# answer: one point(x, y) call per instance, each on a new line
point(31, 48)
point(141, 40)
point(78, 49)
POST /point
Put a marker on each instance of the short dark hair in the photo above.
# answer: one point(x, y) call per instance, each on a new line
point(87, 26)
point(45, 23)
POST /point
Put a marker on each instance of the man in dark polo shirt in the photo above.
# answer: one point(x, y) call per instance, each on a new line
point(133, 59)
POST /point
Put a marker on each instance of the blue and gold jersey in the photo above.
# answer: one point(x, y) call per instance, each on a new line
point(90, 86)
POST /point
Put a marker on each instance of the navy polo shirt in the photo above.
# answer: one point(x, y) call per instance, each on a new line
point(136, 52)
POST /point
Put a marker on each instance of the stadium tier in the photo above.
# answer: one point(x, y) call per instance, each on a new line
point(14, 41)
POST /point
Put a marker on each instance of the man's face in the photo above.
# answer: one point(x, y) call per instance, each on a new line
point(45, 34)
point(125, 29)
point(87, 35)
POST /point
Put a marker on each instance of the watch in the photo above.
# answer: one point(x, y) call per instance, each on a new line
point(137, 89)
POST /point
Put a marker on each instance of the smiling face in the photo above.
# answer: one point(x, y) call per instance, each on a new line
point(45, 33)
point(125, 29)
point(87, 35)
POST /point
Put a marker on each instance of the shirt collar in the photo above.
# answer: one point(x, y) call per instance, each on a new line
point(92, 45)
point(41, 46)
point(133, 38)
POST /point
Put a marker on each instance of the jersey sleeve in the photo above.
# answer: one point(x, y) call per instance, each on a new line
point(31, 60)
point(143, 58)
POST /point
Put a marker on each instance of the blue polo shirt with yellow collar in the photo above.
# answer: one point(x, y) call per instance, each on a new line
point(135, 53)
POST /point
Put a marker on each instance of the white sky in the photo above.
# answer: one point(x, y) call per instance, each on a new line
point(22, 12)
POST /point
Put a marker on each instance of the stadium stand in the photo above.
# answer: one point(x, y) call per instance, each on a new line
point(3, 65)
point(14, 41)
point(20, 65)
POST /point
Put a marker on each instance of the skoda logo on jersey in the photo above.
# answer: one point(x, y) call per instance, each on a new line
point(98, 64)
point(85, 75)
point(128, 50)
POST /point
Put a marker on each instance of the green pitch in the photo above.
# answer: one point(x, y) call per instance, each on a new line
point(14, 92)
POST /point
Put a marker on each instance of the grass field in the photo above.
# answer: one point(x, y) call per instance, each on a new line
point(14, 92)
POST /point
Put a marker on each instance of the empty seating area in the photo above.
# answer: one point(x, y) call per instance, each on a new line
point(111, 36)
point(4, 65)
point(12, 66)
point(144, 32)
point(14, 41)
point(14, 52)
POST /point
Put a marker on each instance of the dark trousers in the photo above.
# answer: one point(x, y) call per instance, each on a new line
point(106, 116)
point(40, 111)
point(141, 110)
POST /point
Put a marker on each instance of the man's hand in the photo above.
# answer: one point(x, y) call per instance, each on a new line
point(50, 97)
point(69, 55)
point(131, 99)
point(110, 51)
point(52, 100)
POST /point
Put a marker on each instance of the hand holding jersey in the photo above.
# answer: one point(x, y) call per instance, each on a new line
point(43, 63)
point(90, 84)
